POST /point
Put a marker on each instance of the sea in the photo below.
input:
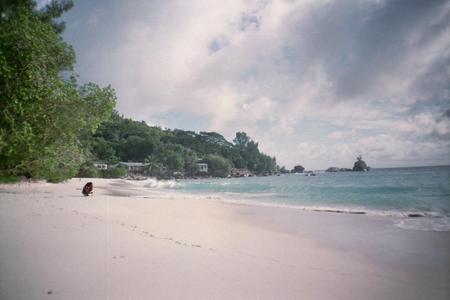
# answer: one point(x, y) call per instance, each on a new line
point(418, 197)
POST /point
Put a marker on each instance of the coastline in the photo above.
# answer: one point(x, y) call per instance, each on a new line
point(131, 242)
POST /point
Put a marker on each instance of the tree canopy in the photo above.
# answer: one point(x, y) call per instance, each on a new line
point(175, 150)
point(43, 110)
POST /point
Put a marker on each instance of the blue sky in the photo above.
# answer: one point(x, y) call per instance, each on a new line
point(314, 82)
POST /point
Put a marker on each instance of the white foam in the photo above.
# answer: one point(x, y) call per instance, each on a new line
point(153, 183)
point(425, 224)
point(428, 221)
point(161, 184)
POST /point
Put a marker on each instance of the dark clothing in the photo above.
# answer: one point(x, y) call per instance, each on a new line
point(88, 189)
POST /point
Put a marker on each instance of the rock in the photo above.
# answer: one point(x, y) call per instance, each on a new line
point(298, 169)
point(415, 215)
point(360, 165)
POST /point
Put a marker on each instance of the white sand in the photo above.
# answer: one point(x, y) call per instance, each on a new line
point(131, 242)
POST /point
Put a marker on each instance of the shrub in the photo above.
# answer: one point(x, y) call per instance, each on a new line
point(88, 170)
point(114, 172)
point(218, 165)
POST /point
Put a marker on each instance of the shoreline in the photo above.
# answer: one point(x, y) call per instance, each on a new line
point(126, 242)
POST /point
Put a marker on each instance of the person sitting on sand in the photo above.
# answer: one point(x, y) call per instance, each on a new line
point(88, 189)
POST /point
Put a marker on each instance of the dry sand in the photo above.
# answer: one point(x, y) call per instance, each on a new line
point(128, 241)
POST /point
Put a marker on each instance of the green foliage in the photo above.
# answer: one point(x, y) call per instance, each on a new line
point(170, 155)
point(241, 139)
point(173, 150)
point(154, 168)
point(43, 112)
point(88, 170)
point(218, 165)
point(54, 10)
point(114, 172)
point(9, 179)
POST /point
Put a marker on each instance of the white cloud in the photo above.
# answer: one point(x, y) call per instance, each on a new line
point(307, 79)
point(339, 135)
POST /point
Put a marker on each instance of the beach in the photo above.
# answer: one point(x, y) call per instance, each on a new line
point(132, 241)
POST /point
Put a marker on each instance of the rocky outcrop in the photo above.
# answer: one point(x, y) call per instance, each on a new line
point(298, 169)
point(360, 165)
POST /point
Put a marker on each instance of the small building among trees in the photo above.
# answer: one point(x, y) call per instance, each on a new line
point(100, 165)
point(202, 167)
point(135, 168)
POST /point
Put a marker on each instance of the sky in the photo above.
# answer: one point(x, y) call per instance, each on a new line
point(314, 82)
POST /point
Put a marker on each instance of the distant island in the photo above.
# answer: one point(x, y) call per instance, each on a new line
point(359, 166)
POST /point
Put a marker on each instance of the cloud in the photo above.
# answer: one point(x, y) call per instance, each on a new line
point(339, 135)
point(301, 77)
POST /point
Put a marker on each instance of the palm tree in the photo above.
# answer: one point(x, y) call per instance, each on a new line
point(154, 167)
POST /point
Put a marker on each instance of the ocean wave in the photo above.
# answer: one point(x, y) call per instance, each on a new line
point(344, 210)
point(161, 184)
point(418, 220)
point(152, 183)
point(425, 224)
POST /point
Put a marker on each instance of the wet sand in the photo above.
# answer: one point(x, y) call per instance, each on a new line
point(128, 241)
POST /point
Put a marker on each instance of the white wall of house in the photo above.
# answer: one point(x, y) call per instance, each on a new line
point(202, 167)
point(101, 166)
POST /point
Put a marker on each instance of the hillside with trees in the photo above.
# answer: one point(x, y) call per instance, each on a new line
point(123, 139)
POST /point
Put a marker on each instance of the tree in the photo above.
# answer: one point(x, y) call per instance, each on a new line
point(52, 10)
point(217, 165)
point(154, 167)
point(190, 159)
point(43, 112)
point(241, 139)
point(171, 156)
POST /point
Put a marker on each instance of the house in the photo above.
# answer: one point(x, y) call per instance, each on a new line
point(100, 165)
point(135, 168)
point(202, 167)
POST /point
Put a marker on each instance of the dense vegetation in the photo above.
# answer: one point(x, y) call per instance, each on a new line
point(122, 139)
point(43, 111)
point(51, 127)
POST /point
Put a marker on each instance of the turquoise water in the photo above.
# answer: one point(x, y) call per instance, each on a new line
point(396, 192)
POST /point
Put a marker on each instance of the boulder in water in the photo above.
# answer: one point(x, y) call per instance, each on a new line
point(298, 169)
point(360, 165)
